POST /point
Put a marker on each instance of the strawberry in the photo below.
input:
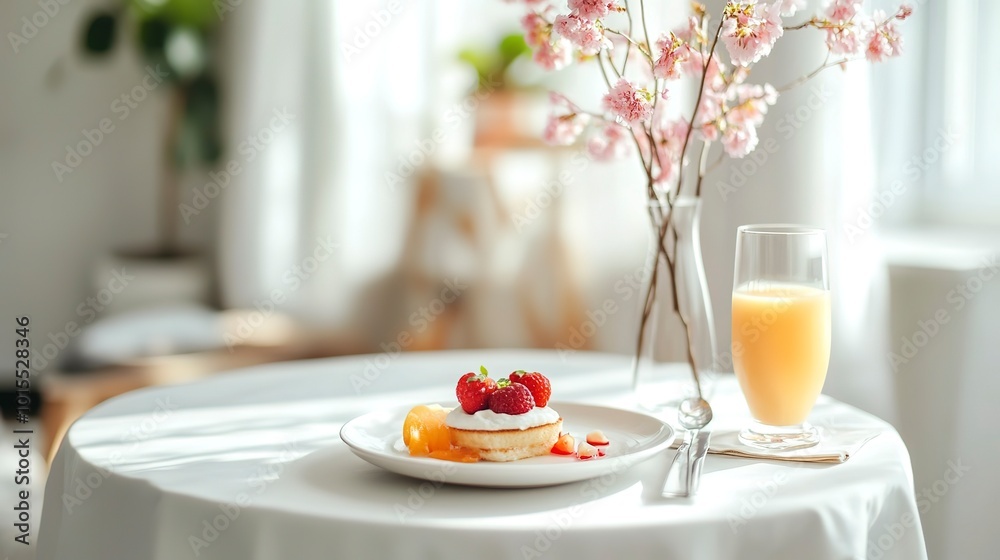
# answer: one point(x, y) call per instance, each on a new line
point(511, 398)
point(537, 383)
point(565, 445)
point(586, 451)
point(597, 437)
point(473, 391)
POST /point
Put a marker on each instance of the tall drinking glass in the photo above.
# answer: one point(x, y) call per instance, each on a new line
point(781, 330)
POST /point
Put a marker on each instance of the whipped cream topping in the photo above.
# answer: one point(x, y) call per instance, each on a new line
point(488, 420)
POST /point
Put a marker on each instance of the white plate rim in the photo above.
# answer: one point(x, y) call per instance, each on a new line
point(515, 474)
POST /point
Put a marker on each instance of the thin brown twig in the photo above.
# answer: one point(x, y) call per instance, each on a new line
point(665, 225)
point(715, 164)
point(628, 45)
point(697, 105)
point(631, 42)
point(803, 25)
point(604, 73)
point(803, 79)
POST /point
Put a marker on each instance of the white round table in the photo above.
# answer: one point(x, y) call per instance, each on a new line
point(250, 466)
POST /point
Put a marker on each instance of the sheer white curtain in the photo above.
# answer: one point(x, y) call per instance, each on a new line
point(355, 77)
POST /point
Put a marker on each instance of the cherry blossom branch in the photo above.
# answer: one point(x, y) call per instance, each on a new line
point(645, 30)
point(810, 23)
point(611, 62)
point(604, 73)
point(628, 45)
point(803, 79)
point(715, 164)
point(631, 41)
point(665, 225)
point(697, 104)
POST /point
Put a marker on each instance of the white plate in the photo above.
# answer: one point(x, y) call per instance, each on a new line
point(376, 437)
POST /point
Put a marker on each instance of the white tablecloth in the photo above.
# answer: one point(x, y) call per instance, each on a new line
point(249, 466)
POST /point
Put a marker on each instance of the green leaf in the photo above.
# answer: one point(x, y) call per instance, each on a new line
point(193, 13)
point(511, 47)
point(482, 370)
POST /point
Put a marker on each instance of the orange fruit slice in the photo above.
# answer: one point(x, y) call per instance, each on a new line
point(424, 430)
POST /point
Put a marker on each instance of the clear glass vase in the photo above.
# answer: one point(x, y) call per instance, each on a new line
point(661, 371)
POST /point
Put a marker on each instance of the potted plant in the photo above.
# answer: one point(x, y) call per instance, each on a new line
point(175, 38)
point(499, 100)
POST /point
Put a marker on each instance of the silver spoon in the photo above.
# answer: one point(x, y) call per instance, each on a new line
point(682, 479)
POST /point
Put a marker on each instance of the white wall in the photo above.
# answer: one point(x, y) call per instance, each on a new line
point(55, 230)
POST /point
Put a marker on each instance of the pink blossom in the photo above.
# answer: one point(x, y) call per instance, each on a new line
point(582, 33)
point(905, 11)
point(843, 40)
point(670, 136)
point(627, 103)
point(883, 39)
point(612, 142)
point(789, 7)
point(536, 30)
point(590, 9)
point(751, 30)
point(894, 38)
point(689, 31)
point(840, 11)
point(563, 130)
point(694, 63)
point(712, 98)
point(752, 103)
point(710, 114)
point(877, 48)
point(672, 53)
point(554, 54)
point(738, 141)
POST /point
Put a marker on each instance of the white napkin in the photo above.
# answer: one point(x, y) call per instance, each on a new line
point(835, 446)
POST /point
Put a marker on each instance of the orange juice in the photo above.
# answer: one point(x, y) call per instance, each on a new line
point(781, 350)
